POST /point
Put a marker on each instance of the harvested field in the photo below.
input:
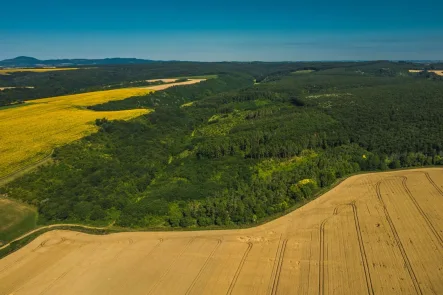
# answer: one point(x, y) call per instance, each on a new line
point(162, 80)
point(375, 233)
point(438, 72)
point(165, 86)
point(30, 131)
point(5, 88)
point(35, 70)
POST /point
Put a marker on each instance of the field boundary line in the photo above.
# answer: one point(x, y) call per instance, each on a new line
point(53, 226)
point(420, 210)
point(278, 264)
point(239, 269)
point(30, 166)
point(398, 241)
point(203, 267)
point(166, 272)
point(433, 183)
point(361, 245)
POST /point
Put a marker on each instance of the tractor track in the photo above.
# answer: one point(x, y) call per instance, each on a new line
point(364, 258)
point(165, 273)
point(278, 263)
point(321, 264)
point(420, 210)
point(433, 183)
point(203, 267)
point(239, 269)
point(398, 241)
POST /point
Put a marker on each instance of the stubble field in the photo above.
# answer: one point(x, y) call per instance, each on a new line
point(375, 233)
point(35, 70)
point(438, 72)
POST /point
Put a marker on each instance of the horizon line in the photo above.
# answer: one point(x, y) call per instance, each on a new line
point(232, 61)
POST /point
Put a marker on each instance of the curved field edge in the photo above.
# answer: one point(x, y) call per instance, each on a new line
point(25, 239)
point(29, 237)
point(16, 219)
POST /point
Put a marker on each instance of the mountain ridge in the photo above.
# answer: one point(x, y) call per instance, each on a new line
point(26, 61)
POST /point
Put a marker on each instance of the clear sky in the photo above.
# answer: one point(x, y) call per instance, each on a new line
point(272, 30)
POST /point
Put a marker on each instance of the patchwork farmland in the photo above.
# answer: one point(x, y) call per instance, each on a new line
point(34, 70)
point(377, 233)
point(30, 131)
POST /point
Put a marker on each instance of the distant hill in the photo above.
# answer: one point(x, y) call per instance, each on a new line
point(25, 61)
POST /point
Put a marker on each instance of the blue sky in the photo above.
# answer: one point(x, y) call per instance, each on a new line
point(223, 30)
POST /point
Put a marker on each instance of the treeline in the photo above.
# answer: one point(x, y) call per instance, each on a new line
point(86, 79)
point(227, 152)
point(178, 95)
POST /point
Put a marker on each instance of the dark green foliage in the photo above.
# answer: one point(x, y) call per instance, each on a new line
point(55, 83)
point(241, 152)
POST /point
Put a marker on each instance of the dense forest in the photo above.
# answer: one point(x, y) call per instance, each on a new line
point(255, 141)
point(85, 79)
point(89, 78)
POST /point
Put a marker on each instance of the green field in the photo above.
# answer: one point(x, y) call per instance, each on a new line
point(15, 219)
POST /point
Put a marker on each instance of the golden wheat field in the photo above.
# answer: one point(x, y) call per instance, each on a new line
point(31, 131)
point(375, 233)
point(36, 70)
point(438, 72)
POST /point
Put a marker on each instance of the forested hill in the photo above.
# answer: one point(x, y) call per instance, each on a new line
point(25, 61)
point(21, 86)
point(231, 152)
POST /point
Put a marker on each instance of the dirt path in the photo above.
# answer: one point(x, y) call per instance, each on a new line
point(28, 168)
point(52, 226)
point(166, 86)
point(49, 130)
point(376, 233)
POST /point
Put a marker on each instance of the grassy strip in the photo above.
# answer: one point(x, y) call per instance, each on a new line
point(14, 246)
point(25, 169)
point(26, 224)
point(16, 218)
